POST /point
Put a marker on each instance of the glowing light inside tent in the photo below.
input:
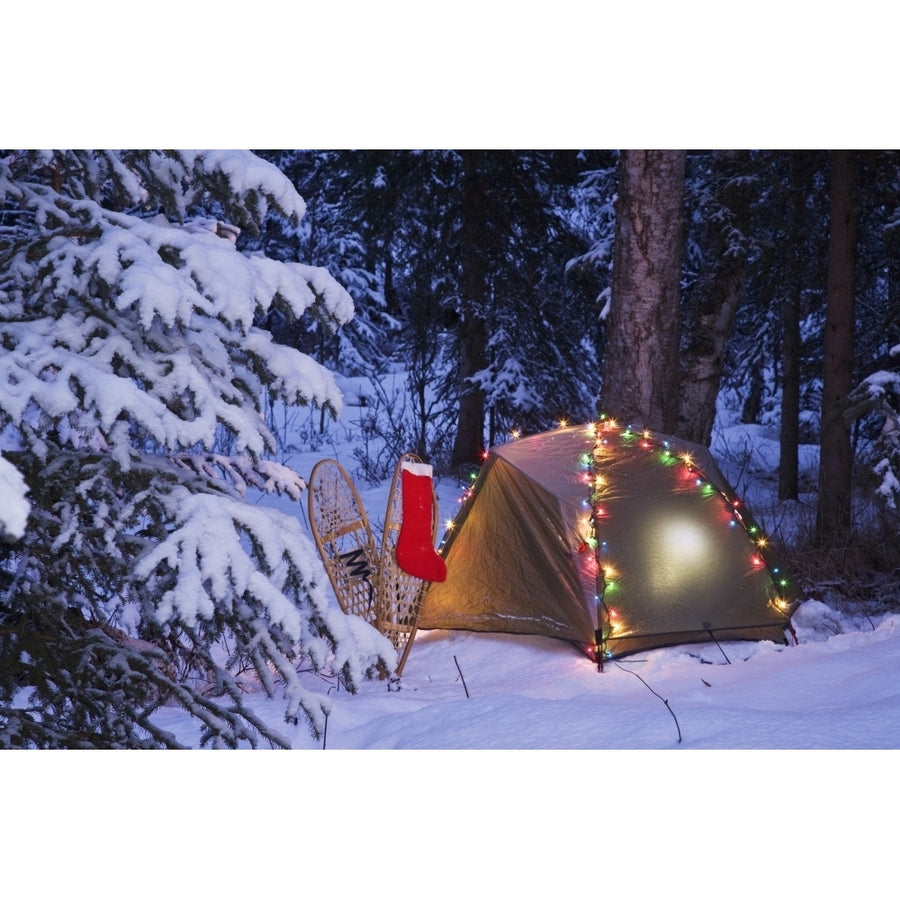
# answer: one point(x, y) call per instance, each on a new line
point(677, 549)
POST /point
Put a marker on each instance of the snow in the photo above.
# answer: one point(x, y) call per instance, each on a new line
point(834, 687)
point(14, 505)
point(248, 174)
point(830, 691)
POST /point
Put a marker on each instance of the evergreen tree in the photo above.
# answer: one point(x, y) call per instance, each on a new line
point(783, 229)
point(332, 234)
point(834, 507)
point(129, 355)
point(875, 401)
point(470, 251)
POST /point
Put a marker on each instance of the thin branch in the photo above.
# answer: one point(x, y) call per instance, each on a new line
point(458, 669)
point(669, 708)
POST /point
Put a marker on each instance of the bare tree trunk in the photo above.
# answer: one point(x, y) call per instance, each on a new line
point(469, 441)
point(833, 513)
point(789, 456)
point(640, 381)
point(710, 320)
point(712, 304)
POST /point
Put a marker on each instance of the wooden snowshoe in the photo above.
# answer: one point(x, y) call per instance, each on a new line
point(343, 536)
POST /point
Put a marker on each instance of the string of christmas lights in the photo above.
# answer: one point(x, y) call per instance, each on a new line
point(609, 618)
point(593, 547)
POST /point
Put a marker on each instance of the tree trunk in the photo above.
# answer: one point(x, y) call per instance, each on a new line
point(712, 304)
point(711, 317)
point(641, 362)
point(469, 441)
point(833, 512)
point(789, 458)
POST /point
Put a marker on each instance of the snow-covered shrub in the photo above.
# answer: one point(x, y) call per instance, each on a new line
point(130, 360)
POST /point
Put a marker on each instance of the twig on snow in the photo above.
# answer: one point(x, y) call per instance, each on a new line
point(669, 708)
point(458, 669)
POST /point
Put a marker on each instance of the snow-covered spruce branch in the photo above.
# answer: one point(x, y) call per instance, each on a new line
point(14, 505)
point(224, 554)
point(244, 472)
point(176, 379)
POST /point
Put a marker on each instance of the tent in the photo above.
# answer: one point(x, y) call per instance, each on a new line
point(616, 539)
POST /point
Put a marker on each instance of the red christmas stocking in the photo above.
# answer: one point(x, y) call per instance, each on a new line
point(415, 544)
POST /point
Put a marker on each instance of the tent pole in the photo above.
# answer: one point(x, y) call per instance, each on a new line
point(598, 634)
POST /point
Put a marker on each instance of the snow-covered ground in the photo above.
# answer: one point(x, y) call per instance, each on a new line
point(835, 688)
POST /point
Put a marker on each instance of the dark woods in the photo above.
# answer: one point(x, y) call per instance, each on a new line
point(522, 287)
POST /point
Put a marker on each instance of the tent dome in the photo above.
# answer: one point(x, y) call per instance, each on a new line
point(616, 539)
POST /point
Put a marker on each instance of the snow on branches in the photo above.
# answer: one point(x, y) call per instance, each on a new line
point(880, 394)
point(14, 504)
point(111, 315)
point(131, 355)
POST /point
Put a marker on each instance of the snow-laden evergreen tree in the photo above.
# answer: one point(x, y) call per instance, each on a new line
point(130, 358)
point(879, 394)
point(337, 234)
point(469, 253)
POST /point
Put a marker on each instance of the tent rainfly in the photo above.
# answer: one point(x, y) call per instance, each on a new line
point(616, 539)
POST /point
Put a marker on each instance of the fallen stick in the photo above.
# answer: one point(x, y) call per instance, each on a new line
point(458, 669)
